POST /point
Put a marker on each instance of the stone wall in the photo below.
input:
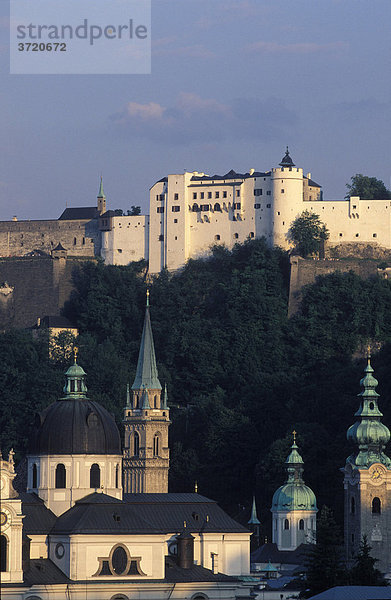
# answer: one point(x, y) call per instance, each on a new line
point(78, 237)
point(33, 287)
point(305, 271)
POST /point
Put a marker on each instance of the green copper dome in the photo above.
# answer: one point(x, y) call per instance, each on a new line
point(294, 494)
point(369, 433)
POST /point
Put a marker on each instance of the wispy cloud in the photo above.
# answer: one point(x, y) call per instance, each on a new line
point(171, 46)
point(298, 48)
point(195, 119)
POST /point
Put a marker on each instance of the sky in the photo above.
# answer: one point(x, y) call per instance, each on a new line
point(233, 83)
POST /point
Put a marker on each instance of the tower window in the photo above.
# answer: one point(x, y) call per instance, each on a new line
point(352, 505)
point(236, 235)
point(217, 207)
point(194, 195)
point(95, 476)
point(74, 241)
point(156, 444)
point(136, 444)
point(161, 238)
point(3, 553)
point(202, 195)
point(217, 237)
point(61, 478)
point(195, 207)
point(209, 194)
point(301, 524)
point(376, 506)
point(176, 208)
point(176, 196)
point(251, 234)
point(35, 476)
point(286, 524)
point(117, 476)
point(224, 194)
point(155, 402)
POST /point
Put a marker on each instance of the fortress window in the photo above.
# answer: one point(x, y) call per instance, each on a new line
point(217, 195)
point(236, 235)
point(176, 237)
point(161, 237)
point(136, 444)
point(268, 193)
point(217, 207)
point(286, 524)
point(376, 506)
point(224, 194)
point(84, 241)
point(257, 206)
point(205, 207)
point(175, 220)
point(238, 193)
point(176, 208)
point(95, 476)
point(117, 476)
point(202, 195)
point(268, 205)
point(354, 207)
point(217, 237)
point(340, 235)
point(176, 196)
point(301, 525)
point(195, 208)
point(258, 192)
point(3, 553)
point(237, 206)
point(74, 241)
point(61, 478)
point(194, 195)
point(357, 235)
point(283, 192)
point(278, 213)
point(209, 194)
point(35, 476)
point(156, 444)
point(374, 235)
point(251, 234)
point(160, 209)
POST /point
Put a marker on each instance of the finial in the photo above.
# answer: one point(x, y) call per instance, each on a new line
point(127, 394)
point(75, 352)
point(147, 296)
point(287, 150)
point(294, 433)
point(369, 353)
point(196, 487)
point(184, 524)
point(11, 457)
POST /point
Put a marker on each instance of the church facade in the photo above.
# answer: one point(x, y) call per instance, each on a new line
point(81, 532)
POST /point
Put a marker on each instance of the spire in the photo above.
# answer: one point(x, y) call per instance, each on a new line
point(165, 398)
point(254, 519)
point(145, 400)
point(146, 374)
point(101, 193)
point(128, 404)
point(368, 432)
point(286, 160)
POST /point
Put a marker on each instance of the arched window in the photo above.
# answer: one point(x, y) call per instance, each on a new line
point(156, 445)
point(72, 385)
point(155, 401)
point(236, 235)
point(60, 476)
point(352, 505)
point(95, 476)
point(117, 476)
point(217, 207)
point(136, 402)
point(195, 207)
point(376, 506)
point(251, 234)
point(286, 524)
point(74, 241)
point(3, 553)
point(301, 524)
point(136, 444)
point(35, 476)
point(217, 237)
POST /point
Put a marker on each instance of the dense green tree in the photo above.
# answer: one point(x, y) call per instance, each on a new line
point(134, 211)
point(364, 571)
point(308, 233)
point(368, 188)
point(325, 567)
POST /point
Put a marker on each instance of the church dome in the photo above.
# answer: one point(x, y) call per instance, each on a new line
point(294, 496)
point(74, 424)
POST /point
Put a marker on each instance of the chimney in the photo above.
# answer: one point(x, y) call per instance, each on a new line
point(185, 544)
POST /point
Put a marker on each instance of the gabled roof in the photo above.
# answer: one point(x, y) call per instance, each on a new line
point(313, 183)
point(270, 552)
point(42, 571)
point(230, 175)
point(79, 213)
point(38, 519)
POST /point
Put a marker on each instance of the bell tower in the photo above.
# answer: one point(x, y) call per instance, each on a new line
point(146, 421)
point(11, 524)
point(367, 481)
point(101, 199)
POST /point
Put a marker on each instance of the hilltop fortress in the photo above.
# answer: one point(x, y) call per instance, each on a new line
point(190, 212)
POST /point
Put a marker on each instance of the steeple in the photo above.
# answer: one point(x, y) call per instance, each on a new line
point(254, 519)
point(101, 205)
point(75, 387)
point(286, 161)
point(146, 374)
point(368, 432)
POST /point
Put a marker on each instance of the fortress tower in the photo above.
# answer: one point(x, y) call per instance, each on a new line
point(146, 420)
point(367, 481)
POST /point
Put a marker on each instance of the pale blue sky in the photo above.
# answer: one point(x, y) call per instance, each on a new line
point(233, 82)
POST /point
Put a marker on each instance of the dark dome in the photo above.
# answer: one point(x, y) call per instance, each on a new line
point(74, 424)
point(75, 427)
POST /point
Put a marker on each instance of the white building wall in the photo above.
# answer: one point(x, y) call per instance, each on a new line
point(127, 240)
point(77, 467)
